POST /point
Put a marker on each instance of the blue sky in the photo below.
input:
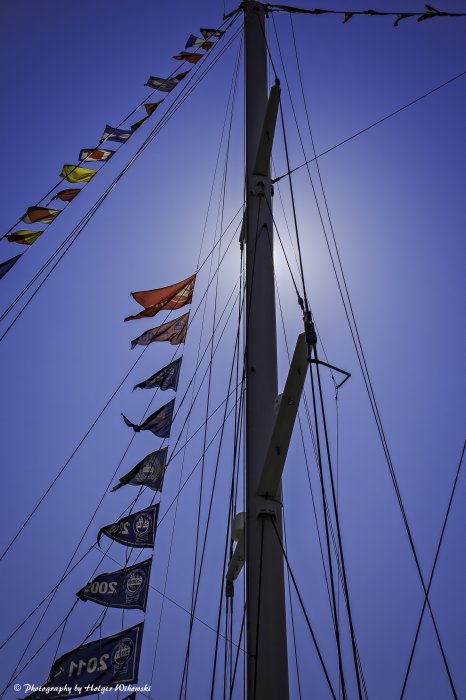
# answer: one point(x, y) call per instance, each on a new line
point(395, 196)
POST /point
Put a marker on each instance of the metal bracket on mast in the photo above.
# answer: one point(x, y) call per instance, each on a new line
point(286, 409)
point(262, 163)
point(264, 150)
point(286, 415)
point(238, 558)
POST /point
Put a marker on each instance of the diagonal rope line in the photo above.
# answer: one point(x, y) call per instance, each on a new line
point(432, 572)
point(371, 394)
point(77, 230)
point(306, 616)
point(124, 119)
point(373, 124)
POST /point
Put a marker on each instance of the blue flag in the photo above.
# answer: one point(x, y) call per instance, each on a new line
point(8, 264)
point(159, 423)
point(166, 378)
point(125, 588)
point(148, 472)
point(113, 134)
point(135, 530)
point(101, 664)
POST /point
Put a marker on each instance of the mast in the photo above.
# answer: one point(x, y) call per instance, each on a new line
point(267, 666)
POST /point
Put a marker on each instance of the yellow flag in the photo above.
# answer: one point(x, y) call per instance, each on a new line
point(25, 236)
point(73, 173)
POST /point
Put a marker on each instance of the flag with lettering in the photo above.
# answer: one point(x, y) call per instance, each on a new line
point(24, 236)
point(74, 173)
point(148, 472)
point(91, 155)
point(159, 422)
point(126, 588)
point(113, 134)
point(165, 378)
point(135, 530)
point(42, 214)
point(174, 332)
point(67, 195)
point(175, 296)
point(6, 266)
point(105, 662)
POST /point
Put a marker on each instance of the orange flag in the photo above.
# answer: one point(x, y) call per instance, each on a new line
point(172, 297)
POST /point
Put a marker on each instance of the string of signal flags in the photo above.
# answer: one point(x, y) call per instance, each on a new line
point(429, 13)
point(128, 588)
point(79, 174)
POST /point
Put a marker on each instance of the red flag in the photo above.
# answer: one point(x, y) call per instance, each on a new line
point(152, 106)
point(172, 297)
point(42, 214)
point(67, 195)
point(188, 56)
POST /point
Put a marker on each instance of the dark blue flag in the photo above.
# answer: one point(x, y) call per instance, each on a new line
point(113, 134)
point(166, 378)
point(135, 530)
point(8, 264)
point(149, 472)
point(101, 664)
point(125, 588)
point(159, 423)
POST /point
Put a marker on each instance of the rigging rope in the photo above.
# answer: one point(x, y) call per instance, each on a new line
point(222, 429)
point(219, 225)
point(185, 92)
point(432, 572)
point(372, 125)
point(198, 352)
point(130, 114)
point(306, 616)
point(80, 443)
point(366, 377)
point(293, 631)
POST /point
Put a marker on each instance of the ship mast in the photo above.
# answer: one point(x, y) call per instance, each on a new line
point(267, 666)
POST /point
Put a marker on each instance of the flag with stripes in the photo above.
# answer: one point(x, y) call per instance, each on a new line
point(165, 84)
point(111, 133)
point(198, 42)
point(42, 214)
